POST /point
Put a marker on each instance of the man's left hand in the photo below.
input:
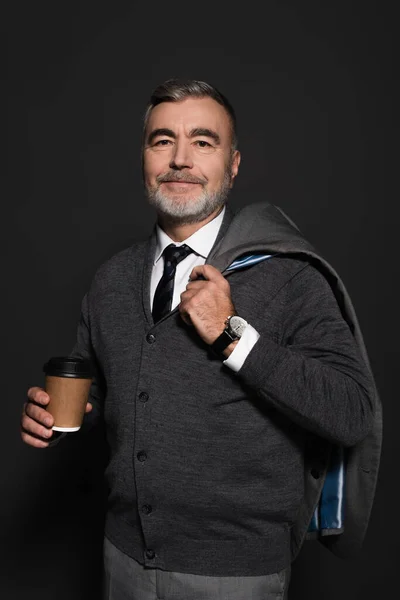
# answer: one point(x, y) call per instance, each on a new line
point(207, 302)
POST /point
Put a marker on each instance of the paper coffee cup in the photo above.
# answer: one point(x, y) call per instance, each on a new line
point(67, 382)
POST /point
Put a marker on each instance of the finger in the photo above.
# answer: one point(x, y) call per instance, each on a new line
point(32, 441)
point(37, 394)
point(89, 407)
point(207, 272)
point(35, 429)
point(182, 307)
point(38, 414)
point(195, 285)
point(186, 295)
point(186, 318)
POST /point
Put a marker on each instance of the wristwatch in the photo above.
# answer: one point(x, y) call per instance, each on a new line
point(233, 331)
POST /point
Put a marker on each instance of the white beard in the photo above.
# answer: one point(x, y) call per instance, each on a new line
point(185, 210)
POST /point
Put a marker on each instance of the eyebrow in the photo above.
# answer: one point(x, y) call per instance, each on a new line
point(200, 131)
point(158, 132)
point(197, 131)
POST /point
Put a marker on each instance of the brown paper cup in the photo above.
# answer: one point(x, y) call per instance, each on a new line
point(68, 399)
point(68, 381)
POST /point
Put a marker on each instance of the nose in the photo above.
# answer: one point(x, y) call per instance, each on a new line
point(181, 157)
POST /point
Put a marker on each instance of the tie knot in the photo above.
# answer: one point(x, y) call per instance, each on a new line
point(174, 254)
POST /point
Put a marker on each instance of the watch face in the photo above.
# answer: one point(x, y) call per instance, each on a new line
point(237, 325)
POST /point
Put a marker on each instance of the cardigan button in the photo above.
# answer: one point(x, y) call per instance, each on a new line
point(143, 396)
point(150, 553)
point(150, 338)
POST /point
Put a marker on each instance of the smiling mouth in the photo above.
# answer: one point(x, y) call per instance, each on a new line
point(180, 178)
point(180, 184)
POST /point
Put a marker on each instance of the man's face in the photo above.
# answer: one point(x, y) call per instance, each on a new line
point(188, 165)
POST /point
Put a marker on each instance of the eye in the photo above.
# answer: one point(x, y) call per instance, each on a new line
point(203, 144)
point(163, 142)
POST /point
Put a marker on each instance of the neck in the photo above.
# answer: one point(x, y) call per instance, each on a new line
point(179, 232)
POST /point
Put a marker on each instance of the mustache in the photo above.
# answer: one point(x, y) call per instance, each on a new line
point(180, 177)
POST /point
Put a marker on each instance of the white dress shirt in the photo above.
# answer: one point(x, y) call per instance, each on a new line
point(201, 243)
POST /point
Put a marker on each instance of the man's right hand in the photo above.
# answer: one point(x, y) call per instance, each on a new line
point(36, 422)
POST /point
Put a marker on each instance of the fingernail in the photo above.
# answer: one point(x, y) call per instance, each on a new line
point(48, 421)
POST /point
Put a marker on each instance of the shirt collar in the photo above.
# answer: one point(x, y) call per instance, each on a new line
point(201, 241)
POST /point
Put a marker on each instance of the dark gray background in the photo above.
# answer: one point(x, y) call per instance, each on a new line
point(313, 86)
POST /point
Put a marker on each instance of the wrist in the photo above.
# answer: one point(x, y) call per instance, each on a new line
point(228, 351)
point(226, 342)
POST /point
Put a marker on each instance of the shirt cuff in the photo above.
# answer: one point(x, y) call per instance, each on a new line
point(236, 359)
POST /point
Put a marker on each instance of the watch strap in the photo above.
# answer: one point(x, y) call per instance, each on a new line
point(221, 343)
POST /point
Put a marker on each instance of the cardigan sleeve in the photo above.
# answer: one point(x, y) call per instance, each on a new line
point(83, 349)
point(315, 373)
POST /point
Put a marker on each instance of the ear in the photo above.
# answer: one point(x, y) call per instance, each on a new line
point(235, 165)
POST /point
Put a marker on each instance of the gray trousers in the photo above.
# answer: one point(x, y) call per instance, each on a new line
point(126, 579)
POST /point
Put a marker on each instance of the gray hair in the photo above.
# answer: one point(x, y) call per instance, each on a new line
point(175, 90)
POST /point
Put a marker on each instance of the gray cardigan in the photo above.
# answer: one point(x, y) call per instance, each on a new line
point(213, 472)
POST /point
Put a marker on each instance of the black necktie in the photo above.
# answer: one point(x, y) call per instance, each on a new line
point(165, 289)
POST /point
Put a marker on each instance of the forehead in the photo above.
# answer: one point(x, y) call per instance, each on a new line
point(191, 113)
